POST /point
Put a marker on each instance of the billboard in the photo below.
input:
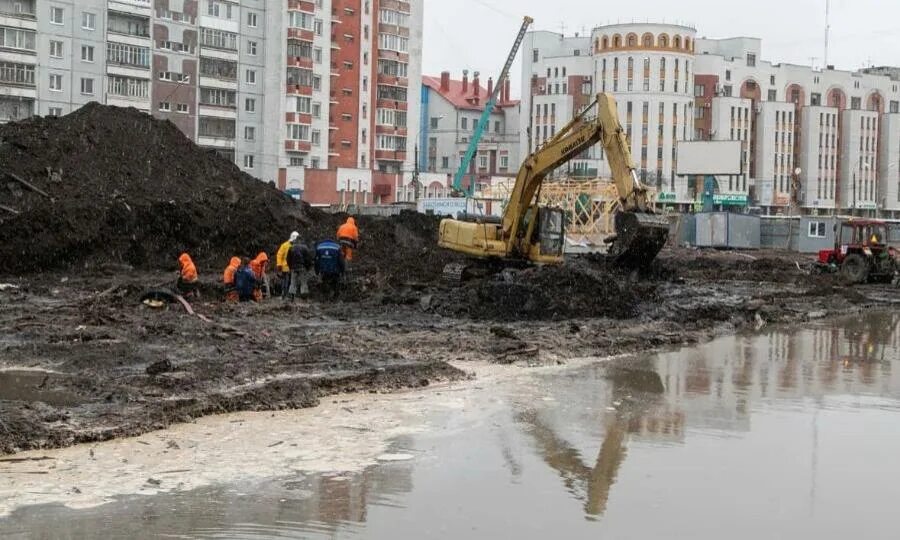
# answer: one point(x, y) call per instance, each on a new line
point(709, 157)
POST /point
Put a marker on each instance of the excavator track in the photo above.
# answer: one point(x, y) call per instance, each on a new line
point(639, 239)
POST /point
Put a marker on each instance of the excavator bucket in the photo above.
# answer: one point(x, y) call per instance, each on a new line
point(639, 239)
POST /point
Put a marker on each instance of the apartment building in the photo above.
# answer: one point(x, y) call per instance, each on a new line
point(278, 86)
point(825, 140)
point(451, 110)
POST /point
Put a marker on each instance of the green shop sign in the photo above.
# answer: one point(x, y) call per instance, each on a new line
point(665, 196)
point(730, 200)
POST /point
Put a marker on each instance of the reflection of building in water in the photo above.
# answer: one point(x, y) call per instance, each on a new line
point(853, 356)
point(715, 386)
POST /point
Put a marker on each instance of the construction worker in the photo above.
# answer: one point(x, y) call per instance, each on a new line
point(245, 282)
point(330, 265)
point(188, 280)
point(281, 265)
point(259, 265)
point(348, 237)
point(231, 294)
point(299, 261)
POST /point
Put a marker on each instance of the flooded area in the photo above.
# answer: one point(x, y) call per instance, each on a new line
point(786, 433)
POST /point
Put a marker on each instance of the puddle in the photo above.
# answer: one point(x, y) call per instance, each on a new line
point(28, 385)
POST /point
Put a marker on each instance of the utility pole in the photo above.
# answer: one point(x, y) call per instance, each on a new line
point(416, 174)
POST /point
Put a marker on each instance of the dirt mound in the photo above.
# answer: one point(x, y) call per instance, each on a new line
point(544, 293)
point(124, 187)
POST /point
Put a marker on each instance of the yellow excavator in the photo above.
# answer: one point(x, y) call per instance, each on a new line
point(529, 232)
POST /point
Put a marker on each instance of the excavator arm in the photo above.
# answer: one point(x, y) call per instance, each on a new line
point(640, 235)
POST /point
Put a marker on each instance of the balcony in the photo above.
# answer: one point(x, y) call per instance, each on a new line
point(20, 9)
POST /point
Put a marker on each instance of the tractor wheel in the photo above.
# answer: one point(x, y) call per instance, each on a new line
point(855, 268)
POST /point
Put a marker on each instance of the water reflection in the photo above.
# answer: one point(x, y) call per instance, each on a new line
point(777, 421)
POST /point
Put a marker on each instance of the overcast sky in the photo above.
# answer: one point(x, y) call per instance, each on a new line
point(477, 34)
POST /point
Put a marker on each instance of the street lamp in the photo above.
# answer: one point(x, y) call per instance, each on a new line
point(416, 164)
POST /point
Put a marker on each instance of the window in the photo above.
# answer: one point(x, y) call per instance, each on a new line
point(218, 39)
point(56, 49)
point(316, 137)
point(504, 162)
point(56, 15)
point(395, 143)
point(895, 107)
point(249, 133)
point(14, 73)
point(482, 162)
point(127, 55)
point(54, 111)
point(318, 27)
point(87, 86)
point(88, 20)
point(817, 229)
point(535, 55)
point(251, 76)
point(248, 162)
point(317, 110)
point(216, 97)
point(251, 48)
point(251, 19)
point(856, 103)
point(317, 82)
point(297, 162)
point(393, 68)
point(183, 108)
point(87, 53)
point(128, 87)
point(464, 123)
point(56, 82)
point(773, 95)
point(751, 60)
point(395, 93)
point(815, 99)
point(391, 42)
point(165, 106)
point(298, 19)
point(250, 105)
point(726, 90)
point(298, 132)
point(397, 18)
point(12, 38)
point(699, 90)
point(445, 162)
point(727, 74)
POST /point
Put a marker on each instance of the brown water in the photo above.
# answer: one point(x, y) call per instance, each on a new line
point(785, 434)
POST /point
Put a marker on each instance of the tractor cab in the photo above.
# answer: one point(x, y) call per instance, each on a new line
point(861, 251)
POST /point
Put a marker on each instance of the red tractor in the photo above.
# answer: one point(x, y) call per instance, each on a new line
point(861, 252)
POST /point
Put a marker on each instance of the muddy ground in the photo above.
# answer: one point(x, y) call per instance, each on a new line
point(83, 360)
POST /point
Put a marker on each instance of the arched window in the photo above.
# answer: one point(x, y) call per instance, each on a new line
point(647, 40)
point(617, 41)
point(664, 41)
point(688, 44)
point(604, 43)
point(677, 42)
point(632, 40)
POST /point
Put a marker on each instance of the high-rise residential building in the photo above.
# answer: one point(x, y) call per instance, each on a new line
point(820, 139)
point(451, 110)
point(281, 87)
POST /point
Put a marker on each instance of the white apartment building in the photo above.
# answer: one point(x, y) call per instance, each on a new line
point(777, 110)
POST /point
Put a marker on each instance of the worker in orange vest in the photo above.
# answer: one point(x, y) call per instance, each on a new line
point(231, 293)
point(259, 265)
point(348, 238)
point(188, 281)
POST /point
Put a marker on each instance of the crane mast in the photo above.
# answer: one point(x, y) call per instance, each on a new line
point(485, 119)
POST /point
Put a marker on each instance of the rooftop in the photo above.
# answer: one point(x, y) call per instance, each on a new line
point(466, 99)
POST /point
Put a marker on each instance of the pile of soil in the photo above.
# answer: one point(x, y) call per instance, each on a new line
point(124, 187)
point(544, 293)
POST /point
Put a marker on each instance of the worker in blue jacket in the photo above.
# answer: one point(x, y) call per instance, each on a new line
point(330, 266)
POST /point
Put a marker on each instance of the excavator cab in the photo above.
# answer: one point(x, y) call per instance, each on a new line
point(552, 231)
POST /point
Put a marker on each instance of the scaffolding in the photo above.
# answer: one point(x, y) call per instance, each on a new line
point(590, 206)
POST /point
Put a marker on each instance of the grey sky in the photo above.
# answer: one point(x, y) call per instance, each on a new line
point(477, 34)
